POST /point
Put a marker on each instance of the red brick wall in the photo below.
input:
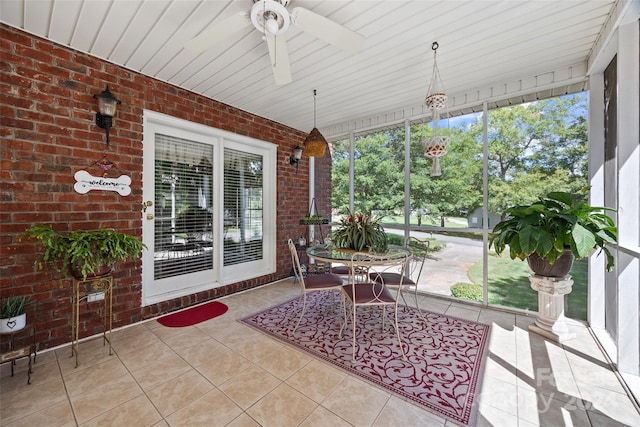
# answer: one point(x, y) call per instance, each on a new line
point(47, 114)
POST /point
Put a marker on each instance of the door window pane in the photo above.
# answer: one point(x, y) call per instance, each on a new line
point(243, 206)
point(183, 230)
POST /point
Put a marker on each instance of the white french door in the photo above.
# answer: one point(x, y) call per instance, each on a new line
point(209, 208)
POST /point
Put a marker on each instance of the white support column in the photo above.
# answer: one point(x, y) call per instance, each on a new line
point(596, 195)
point(352, 173)
point(407, 178)
point(628, 264)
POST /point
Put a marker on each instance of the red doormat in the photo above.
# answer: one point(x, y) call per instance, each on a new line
point(445, 355)
point(194, 315)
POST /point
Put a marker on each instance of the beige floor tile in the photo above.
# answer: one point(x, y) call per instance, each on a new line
point(144, 356)
point(545, 410)
point(179, 392)
point(400, 412)
point(82, 381)
point(30, 400)
point(42, 371)
point(224, 366)
point(497, 318)
point(188, 337)
point(136, 339)
point(615, 406)
point(104, 397)
point(463, 313)
point(255, 348)
point(212, 409)
point(282, 407)
point(203, 352)
point(596, 374)
point(356, 402)
point(58, 415)
point(243, 420)
point(316, 380)
point(489, 416)
point(322, 417)
point(138, 411)
point(283, 362)
point(249, 386)
point(499, 394)
point(91, 353)
point(161, 371)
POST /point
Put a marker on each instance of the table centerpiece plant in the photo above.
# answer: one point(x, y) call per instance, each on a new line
point(360, 231)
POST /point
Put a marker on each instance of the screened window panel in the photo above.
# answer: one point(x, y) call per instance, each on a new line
point(243, 207)
point(183, 228)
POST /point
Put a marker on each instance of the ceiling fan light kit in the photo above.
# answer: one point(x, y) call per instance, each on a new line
point(270, 16)
point(272, 19)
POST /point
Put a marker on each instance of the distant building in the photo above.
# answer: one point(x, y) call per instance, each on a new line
point(474, 219)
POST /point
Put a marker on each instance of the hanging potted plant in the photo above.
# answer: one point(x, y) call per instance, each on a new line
point(553, 231)
point(13, 315)
point(83, 254)
point(360, 232)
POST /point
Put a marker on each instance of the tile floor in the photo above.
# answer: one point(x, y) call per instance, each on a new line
point(223, 373)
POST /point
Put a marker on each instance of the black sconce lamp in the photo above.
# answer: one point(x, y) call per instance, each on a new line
point(294, 159)
point(106, 110)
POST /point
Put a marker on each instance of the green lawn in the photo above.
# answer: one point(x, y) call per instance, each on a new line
point(509, 285)
point(427, 221)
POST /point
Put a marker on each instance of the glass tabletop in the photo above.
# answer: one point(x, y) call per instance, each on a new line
point(329, 253)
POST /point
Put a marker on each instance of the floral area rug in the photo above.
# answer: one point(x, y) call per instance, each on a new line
point(444, 354)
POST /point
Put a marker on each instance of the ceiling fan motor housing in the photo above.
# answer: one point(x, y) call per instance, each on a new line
point(270, 16)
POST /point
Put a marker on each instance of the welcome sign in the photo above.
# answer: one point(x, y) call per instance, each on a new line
point(86, 182)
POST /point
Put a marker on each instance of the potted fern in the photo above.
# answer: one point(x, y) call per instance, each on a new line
point(553, 231)
point(83, 254)
point(13, 314)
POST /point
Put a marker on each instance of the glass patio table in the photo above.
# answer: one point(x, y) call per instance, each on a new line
point(331, 254)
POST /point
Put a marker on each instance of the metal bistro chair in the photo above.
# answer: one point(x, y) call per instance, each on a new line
point(369, 290)
point(419, 249)
point(311, 283)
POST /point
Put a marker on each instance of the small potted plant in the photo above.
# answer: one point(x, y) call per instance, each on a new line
point(13, 316)
point(83, 253)
point(553, 231)
point(360, 232)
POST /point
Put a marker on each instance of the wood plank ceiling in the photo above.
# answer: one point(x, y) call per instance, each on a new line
point(489, 50)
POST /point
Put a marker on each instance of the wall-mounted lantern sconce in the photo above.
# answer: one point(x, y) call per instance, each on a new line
point(294, 159)
point(106, 110)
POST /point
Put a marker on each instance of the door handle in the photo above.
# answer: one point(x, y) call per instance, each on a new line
point(146, 204)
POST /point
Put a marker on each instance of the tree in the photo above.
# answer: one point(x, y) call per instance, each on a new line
point(533, 148)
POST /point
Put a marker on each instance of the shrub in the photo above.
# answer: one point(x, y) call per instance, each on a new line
point(469, 291)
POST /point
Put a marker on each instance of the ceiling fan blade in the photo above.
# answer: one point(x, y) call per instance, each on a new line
point(327, 30)
point(279, 57)
point(219, 31)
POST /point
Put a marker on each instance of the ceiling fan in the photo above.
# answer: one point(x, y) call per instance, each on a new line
point(272, 19)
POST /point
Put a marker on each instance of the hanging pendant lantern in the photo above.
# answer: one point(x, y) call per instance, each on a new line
point(315, 145)
point(436, 100)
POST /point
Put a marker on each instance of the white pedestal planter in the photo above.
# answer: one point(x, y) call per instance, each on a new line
point(551, 321)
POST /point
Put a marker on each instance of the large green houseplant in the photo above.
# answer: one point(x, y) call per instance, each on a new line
point(360, 232)
point(554, 225)
point(83, 253)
